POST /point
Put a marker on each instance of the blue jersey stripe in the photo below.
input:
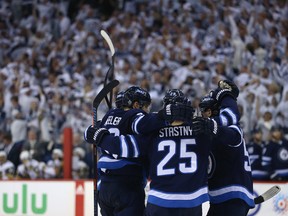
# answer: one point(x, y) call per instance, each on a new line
point(226, 114)
point(179, 200)
point(109, 163)
point(124, 147)
point(232, 192)
point(134, 146)
point(135, 123)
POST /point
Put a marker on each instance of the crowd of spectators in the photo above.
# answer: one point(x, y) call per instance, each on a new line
point(53, 61)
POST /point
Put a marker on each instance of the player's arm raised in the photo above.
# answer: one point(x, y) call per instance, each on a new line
point(210, 127)
point(226, 96)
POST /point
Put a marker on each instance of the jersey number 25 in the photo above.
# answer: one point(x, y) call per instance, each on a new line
point(183, 167)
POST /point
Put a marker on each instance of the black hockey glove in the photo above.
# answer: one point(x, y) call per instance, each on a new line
point(94, 135)
point(225, 88)
point(204, 126)
point(228, 84)
point(174, 112)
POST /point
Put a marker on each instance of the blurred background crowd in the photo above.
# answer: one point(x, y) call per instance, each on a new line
point(53, 61)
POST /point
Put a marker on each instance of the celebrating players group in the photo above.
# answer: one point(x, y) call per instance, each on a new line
point(188, 159)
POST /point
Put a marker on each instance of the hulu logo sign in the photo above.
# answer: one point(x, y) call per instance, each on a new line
point(23, 197)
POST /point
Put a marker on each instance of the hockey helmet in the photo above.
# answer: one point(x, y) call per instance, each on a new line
point(119, 99)
point(24, 155)
point(208, 102)
point(58, 153)
point(173, 96)
point(135, 93)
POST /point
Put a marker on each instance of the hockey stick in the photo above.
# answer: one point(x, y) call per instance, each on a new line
point(101, 95)
point(110, 72)
point(96, 102)
point(267, 194)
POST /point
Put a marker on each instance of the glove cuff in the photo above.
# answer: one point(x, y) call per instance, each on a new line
point(99, 134)
point(221, 93)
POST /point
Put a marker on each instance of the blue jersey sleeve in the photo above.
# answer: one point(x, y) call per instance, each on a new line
point(229, 112)
point(129, 117)
point(142, 122)
point(146, 123)
point(124, 146)
point(234, 133)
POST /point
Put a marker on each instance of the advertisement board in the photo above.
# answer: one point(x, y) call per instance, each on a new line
point(75, 198)
point(46, 198)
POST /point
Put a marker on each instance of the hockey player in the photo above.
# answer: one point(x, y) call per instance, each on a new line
point(255, 147)
point(46, 172)
point(7, 168)
point(230, 180)
point(80, 169)
point(121, 188)
point(275, 157)
point(29, 168)
point(178, 162)
point(56, 162)
point(144, 124)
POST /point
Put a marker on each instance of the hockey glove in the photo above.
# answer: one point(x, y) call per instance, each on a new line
point(204, 126)
point(95, 135)
point(174, 112)
point(227, 84)
point(225, 88)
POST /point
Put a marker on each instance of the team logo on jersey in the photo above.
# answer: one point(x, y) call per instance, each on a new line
point(282, 154)
point(211, 165)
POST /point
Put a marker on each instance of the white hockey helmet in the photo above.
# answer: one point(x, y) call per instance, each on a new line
point(25, 155)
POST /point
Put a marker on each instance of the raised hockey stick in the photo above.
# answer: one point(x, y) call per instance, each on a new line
point(110, 72)
point(101, 95)
point(267, 194)
point(96, 102)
